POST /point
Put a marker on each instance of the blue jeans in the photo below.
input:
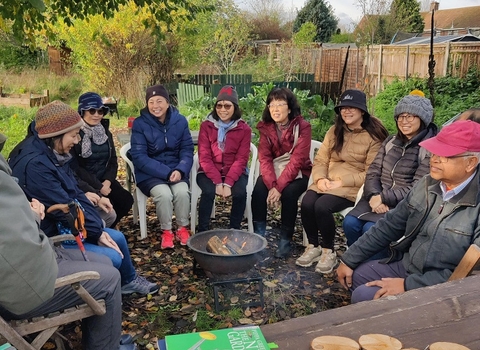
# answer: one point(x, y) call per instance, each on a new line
point(124, 266)
point(354, 227)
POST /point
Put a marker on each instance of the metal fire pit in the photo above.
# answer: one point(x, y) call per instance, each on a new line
point(227, 264)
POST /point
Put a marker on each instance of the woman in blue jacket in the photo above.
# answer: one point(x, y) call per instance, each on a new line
point(162, 153)
point(42, 166)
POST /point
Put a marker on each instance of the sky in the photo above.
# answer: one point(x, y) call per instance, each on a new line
point(348, 13)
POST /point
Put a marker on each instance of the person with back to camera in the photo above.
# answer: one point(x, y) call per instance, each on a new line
point(42, 166)
point(430, 230)
point(30, 266)
point(162, 153)
point(223, 152)
point(470, 114)
point(399, 164)
point(282, 130)
point(338, 172)
point(97, 158)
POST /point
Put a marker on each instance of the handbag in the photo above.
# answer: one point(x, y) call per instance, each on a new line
point(281, 162)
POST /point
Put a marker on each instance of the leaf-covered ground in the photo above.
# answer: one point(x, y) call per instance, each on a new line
point(185, 302)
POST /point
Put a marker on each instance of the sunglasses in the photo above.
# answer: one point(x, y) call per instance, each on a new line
point(224, 105)
point(92, 111)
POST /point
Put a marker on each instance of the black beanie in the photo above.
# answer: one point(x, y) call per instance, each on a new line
point(157, 90)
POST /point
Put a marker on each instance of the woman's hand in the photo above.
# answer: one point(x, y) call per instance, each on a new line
point(106, 241)
point(105, 205)
point(106, 189)
point(92, 197)
point(375, 201)
point(219, 190)
point(175, 176)
point(381, 209)
point(38, 208)
point(227, 191)
point(325, 184)
point(273, 198)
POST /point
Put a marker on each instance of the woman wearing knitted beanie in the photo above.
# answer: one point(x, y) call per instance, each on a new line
point(162, 153)
point(399, 164)
point(97, 159)
point(223, 152)
point(42, 166)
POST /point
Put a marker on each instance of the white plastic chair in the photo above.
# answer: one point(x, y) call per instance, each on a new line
point(139, 198)
point(196, 191)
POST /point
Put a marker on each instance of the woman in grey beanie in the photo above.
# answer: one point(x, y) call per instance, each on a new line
point(400, 162)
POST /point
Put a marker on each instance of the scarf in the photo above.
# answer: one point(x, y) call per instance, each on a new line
point(222, 133)
point(96, 134)
point(62, 158)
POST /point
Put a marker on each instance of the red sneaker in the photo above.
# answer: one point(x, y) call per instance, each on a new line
point(167, 239)
point(183, 235)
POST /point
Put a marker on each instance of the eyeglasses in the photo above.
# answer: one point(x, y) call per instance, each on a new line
point(276, 105)
point(347, 108)
point(405, 117)
point(224, 105)
point(92, 111)
point(442, 159)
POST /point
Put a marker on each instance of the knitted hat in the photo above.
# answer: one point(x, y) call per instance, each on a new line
point(353, 98)
point(457, 138)
point(91, 100)
point(416, 105)
point(228, 93)
point(157, 90)
point(56, 118)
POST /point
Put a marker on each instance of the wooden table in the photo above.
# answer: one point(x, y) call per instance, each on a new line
point(445, 312)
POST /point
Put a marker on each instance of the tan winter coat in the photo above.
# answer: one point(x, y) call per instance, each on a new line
point(350, 166)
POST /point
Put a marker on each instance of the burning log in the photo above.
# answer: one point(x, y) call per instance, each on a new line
point(216, 246)
point(234, 247)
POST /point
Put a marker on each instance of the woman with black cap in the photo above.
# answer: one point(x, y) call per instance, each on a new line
point(97, 159)
point(223, 152)
point(338, 172)
point(162, 153)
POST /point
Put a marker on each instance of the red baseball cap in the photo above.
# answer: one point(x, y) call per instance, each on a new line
point(457, 138)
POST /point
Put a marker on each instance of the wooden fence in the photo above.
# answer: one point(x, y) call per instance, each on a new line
point(369, 68)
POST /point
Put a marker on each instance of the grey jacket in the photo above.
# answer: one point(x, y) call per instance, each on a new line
point(28, 267)
point(429, 235)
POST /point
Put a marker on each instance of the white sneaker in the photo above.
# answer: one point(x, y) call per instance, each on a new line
point(311, 255)
point(328, 261)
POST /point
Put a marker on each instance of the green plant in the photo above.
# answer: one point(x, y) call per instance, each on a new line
point(14, 122)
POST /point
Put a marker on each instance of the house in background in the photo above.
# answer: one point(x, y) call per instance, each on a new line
point(457, 21)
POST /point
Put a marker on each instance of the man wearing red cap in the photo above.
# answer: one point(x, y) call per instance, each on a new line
point(441, 211)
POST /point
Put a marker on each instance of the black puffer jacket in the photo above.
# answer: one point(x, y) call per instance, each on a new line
point(395, 169)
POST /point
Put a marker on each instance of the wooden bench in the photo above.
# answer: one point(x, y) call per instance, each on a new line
point(447, 312)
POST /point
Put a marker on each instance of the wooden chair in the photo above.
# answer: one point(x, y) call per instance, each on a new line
point(47, 326)
point(469, 262)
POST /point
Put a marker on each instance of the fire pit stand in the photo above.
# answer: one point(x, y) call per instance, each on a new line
point(218, 283)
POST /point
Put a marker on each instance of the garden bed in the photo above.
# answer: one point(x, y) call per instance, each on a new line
point(25, 100)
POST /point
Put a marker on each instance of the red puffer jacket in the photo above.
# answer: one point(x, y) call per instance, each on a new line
point(271, 147)
point(232, 162)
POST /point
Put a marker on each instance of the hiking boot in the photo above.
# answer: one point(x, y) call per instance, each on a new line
point(259, 227)
point(167, 239)
point(312, 254)
point(328, 260)
point(182, 235)
point(140, 285)
point(128, 347)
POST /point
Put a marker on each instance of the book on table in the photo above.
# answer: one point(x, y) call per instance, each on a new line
point(238, 338)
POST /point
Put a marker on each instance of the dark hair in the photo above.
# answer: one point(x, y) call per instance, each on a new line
point(401, 136)
point(237, 112)
point(472, 114)
point(372, 125)
point(281, 94)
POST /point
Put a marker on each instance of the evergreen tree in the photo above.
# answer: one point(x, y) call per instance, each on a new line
point(321, 15)
point(405, 16)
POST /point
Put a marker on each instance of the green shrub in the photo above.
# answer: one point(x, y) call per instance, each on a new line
point(14, 122)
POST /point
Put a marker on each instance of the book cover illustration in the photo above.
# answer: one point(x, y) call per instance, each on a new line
point(240, 338)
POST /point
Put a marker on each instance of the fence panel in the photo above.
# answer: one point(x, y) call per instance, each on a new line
point(189, 92)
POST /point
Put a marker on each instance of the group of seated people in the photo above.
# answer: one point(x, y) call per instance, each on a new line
point(420, 194)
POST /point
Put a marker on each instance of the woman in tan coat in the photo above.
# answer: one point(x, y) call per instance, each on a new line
point(338, 173)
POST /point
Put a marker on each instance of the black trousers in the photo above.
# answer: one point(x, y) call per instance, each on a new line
point(289, 201)
point(121, 200)
point(207, 198)
point(317, 215)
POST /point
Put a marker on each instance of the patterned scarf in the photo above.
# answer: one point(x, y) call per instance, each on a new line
point(96, 134)
point(222, 133)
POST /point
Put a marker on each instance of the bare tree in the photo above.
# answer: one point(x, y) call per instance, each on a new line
point(373, 7)
point(425, 5)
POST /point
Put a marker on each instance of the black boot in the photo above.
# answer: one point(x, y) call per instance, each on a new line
point(284, 246)
point(259, 227)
